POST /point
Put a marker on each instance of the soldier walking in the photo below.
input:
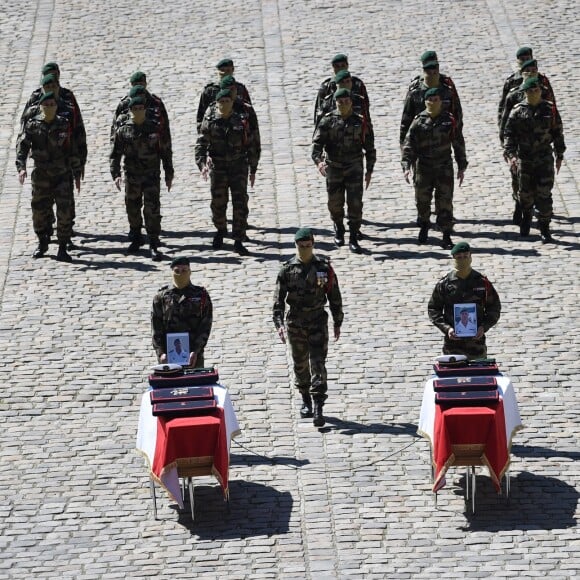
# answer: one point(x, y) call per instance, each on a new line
point(49, 140)
point(227, 148)
point(142, 142)
point(306, 283)
point(427, 149)
point(338, 145)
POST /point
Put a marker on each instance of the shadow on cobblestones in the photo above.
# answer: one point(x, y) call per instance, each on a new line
point(249, 459)
point(536, 451)
point(410, 255)
point(536, 502)
point(255, 510)
point(353, 428)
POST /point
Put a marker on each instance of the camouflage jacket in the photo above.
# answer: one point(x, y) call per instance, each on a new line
point(360, 106)
point(451, 289)
point(67, 107)
point(155, 111)
point(530, 132)
point(514, 81)
point(430, 141)
point(143, 146)
point(342, 141)
point(51, 145)
point(415, 103)
point(209, 94)
point(306, 288)
point(516, 96)
point(328, 87)
point(181, 310)
point(226, 140)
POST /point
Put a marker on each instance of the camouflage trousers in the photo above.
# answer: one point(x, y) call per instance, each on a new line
point(309, 348)
point(144, 191)
point(48, 190)
point(472, 348)
point(345, 179)
point(439, 179)
point(515, 176)
point(230, 177)
point(535, 187)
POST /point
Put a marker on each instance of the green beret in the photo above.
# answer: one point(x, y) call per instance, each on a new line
point(137, 77)
point(179, 262)
point(341, 75)
point(529, 63)
point(227, 82)
point(524, 50)
point(460, 247)
point(223, 93)
point(225, 62)
point(430, 64)
point(433, 92)
point(339, 93)
point(138, 100)
point(339, 58)
point(49, 66)
point(46, 97)
point(303, 234)
point(137, 90)
point(51, 78)
point(428, 55)
point(530, 84)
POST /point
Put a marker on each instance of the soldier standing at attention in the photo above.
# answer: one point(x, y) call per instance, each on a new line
point(533, 133)
point(463, 285)
point(427, 149)
point(306, 283)
point(49, 140)
point(329, 85)
point(227, 147)
point(225, 67)
point(338, 145)
point(415, 99)
point(182, 307)
point(142, 143)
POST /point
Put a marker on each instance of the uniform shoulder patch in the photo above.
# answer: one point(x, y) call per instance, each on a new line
point(163, 288)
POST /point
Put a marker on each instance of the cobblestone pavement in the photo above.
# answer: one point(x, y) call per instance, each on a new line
point(350, 501)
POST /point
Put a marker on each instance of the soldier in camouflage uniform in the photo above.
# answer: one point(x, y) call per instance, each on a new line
point(464, 286)
point(67, 107)
point(338, 145)
point(360, 105)
point(329, 86)
point(529, 69)
point(533, 128)
point(182, 307)
point(227, 147)
point(49, 140)
point(225, 67)
point(306, 283)
point(154, 106)
point(415, 99)
point(427, 149)
point(142, 143)
point(240, 105)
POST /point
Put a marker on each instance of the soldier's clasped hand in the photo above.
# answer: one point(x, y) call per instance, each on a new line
point(281, 335)
point(22, 176)
point(118, 183)
point(406, 175)
point(322, 168)
point(205, 172)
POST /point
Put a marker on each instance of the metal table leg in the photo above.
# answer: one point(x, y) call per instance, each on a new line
point(153, 497)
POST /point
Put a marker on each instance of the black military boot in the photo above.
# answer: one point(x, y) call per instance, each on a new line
point(447, 242)
point(339, 233)
point(517, 215)
point(423, 233)
point(306, 409)
point(63, 255)
point(545, 234)
point(318, 420)
point(240, 248)
point(218, 240)
point(353, 241)
point(154, 244)
point(42, 247)
point(136, 239)
point(526, 223)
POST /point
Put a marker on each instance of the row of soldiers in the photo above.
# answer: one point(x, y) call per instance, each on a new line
point(228, 150)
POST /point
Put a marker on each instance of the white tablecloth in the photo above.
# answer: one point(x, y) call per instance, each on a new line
point(147, 435)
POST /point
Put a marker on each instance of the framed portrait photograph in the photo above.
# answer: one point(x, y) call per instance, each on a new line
point(465, 319)
point(178, 348)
